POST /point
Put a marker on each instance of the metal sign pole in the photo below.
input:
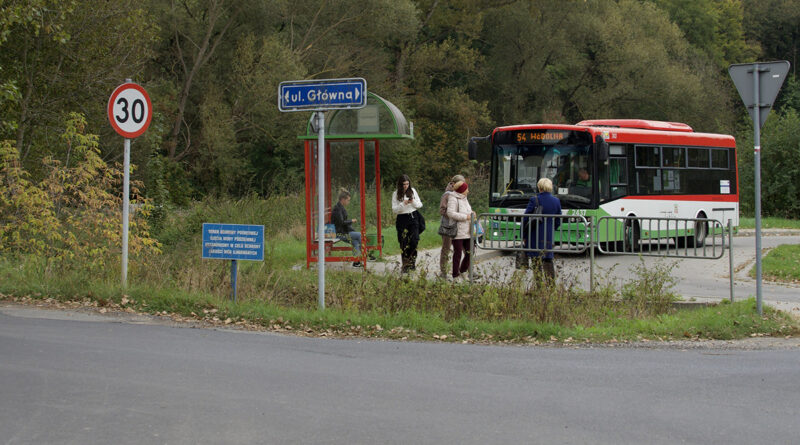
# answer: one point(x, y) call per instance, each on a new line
point(321, 213)
point(764, 91)
point(234, 273)
point(730, 254)
point(125, 210)
point(757, 161)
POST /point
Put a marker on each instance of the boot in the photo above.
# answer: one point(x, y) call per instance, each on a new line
point(521, 260)
point(406, 264)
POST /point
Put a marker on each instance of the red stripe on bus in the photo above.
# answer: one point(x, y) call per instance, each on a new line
point(710, 198)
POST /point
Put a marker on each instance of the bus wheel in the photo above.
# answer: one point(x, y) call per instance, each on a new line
point(632, 237)
point(699, 237)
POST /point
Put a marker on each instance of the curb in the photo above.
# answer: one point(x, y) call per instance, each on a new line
point(768, 232)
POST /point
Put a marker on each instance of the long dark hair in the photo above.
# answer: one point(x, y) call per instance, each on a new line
point(399, 193)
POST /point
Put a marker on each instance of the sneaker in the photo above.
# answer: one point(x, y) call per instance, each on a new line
point(357, 264)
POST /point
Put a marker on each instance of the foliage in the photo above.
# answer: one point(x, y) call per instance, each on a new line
point(773, 24)
point(73, 215)
point(714, 27)
point(456, 68)
point(62, 57)
point(780, 156)
point(541, 70)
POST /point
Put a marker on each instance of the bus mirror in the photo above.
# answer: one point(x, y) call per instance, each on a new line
point(601, 147)
point(472, 150)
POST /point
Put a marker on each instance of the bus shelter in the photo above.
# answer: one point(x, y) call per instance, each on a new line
point(352, 134)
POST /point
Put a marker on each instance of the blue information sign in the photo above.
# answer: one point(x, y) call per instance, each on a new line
point(233, 242)
point(325, 94)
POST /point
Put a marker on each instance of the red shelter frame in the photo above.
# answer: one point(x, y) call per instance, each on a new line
point(312, 246)
point(378, 120)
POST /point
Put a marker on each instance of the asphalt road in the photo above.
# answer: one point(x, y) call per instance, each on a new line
point(70, 378)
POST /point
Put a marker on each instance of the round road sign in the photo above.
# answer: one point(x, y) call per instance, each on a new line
point(129, 110)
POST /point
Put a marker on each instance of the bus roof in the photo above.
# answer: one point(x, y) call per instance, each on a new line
point(637, 131)
point(637, 123)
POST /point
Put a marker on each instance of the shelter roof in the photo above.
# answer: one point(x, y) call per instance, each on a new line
point(379, 119)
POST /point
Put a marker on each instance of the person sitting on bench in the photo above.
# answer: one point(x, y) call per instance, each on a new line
point(344, 226)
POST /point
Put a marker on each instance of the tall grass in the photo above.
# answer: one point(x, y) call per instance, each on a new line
point(180, 281)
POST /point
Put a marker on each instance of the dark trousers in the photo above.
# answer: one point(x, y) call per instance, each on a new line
point(408, 237)
point(460, 247)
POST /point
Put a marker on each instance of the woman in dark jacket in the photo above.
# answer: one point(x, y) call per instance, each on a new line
point(540, 236)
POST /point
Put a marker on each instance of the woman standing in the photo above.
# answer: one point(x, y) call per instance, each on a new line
point(405, 201)
point(458, 209)
point(447, 242)
point(541, 237)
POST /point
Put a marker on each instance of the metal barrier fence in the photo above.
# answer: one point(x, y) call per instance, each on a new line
point(688, 238)
point(662, 237)
point(509, 232)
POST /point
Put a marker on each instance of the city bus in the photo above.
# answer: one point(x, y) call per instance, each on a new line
point(615, 168)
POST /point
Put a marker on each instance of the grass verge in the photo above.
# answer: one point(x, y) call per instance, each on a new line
point(769, 223)
point(366, 305)
point(781, 264)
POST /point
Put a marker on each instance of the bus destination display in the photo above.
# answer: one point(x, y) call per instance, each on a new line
point(549, 137)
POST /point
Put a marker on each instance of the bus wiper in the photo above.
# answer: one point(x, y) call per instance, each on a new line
point(505, 198)
point(574, 198)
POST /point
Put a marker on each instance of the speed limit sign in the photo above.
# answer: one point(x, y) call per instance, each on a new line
point(129, 110)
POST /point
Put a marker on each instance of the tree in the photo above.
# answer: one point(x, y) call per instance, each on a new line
point(71, 217)
point(774, 25)
point(564, 62)
point(780, 157)
point(65, 56)
point(715, 27)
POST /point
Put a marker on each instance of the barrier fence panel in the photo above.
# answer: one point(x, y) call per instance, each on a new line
point(661, 237)
point(689, 238)
point(528, 233)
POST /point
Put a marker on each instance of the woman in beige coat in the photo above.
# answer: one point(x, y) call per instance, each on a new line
point(458, 209)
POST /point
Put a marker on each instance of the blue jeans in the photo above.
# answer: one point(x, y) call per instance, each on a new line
point(355, 240)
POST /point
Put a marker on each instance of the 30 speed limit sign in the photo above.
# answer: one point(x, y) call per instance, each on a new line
point(129, 110)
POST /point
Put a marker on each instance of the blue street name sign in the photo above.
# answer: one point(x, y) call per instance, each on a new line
point(233, 242)
point(320, 95)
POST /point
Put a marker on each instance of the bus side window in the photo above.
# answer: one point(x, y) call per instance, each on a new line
point(618, 176)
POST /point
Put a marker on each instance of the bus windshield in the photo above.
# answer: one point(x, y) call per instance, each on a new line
point(516, 168)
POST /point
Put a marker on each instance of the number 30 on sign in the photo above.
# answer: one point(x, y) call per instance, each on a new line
point(129, 110)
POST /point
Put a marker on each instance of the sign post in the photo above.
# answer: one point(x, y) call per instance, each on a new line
point(319, 96)
point(129, 112)
point(758, 85)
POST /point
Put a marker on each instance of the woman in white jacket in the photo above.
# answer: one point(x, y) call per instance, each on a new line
point(405, 201)
point(458, 209)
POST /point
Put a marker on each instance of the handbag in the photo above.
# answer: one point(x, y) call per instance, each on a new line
point(421, 222)
point(538, 211)
point(448, 227)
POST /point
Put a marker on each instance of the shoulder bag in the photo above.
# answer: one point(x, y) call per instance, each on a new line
point(421, 220)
